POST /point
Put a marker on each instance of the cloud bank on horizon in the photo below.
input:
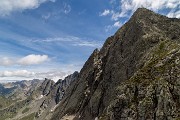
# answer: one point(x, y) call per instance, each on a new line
point(54, 75)
point(53, 38)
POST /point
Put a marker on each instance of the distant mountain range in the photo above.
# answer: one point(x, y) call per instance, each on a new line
point(134, 76)
point(22, 100)
point(7, 81)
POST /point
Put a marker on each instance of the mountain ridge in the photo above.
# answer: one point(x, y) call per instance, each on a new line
point(135, 75)
point(118, 61)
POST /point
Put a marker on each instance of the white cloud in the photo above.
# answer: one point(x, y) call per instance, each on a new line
point(27, 60)
point(18, 73)
point(117, 24)
point(116, 15)
point(105, 13)
point(53, 75)
point(28, 75)
point(155, 5)
point(173, 14)
point(127, 7)
point(33, 59)
point(5, 61)
point(9, 6)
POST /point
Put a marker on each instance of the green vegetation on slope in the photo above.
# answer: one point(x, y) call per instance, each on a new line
point(12, 110)
point(29, 117)
point(5, 102)
point(25, 110)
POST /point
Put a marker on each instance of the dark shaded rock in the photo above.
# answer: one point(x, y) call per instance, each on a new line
point(135, 75)
point(47, 86)
point(63, 85)
point(55, 94)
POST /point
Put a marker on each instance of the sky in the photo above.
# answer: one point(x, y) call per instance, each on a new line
point(53, 38)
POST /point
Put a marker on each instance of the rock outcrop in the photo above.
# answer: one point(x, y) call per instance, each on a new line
point(135, 75)
point(54, 93)
point(63, 85)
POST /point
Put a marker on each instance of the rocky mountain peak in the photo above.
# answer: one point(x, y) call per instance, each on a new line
point(142, 13)
point(135, 75)
point(125, 78)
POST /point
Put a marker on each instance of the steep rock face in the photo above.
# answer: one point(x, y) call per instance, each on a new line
point(63, 85)
point(135, 75)
point(55, 94)
point(153, 91)
point(41, 90)
point(47, 86)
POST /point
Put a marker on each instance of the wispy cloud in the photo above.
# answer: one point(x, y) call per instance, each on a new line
point(70, 40)
point(117, 24)
point(82, 12)
point(105, 13)
point(9, 6)
point(67, 8)
point(87, 43)
point(64, 9)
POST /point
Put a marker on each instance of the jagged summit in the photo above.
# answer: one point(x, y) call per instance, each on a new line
point(130, 78)
point(143, 13)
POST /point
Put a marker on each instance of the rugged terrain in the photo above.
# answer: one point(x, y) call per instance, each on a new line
point(28, 100)
point(135, 75)
point(14, 96)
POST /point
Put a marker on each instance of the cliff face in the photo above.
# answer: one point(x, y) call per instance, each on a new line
point(135, 75)
point(53, 93)
point(63, 85)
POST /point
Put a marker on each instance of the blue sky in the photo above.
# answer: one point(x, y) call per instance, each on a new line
point(53, 38)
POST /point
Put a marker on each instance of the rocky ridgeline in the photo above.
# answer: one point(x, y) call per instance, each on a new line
point(135, 75)
point(53, 93)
